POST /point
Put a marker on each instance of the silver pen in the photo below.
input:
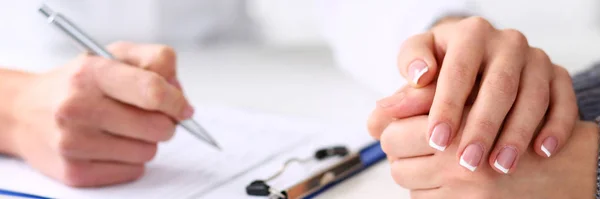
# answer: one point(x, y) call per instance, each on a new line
point(92, 46)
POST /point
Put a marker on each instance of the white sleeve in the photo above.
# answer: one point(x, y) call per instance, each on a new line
point(365, 35)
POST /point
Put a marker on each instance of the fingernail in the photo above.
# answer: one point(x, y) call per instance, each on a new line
point(416, 70)
point(471, 156)
point(505, 159)
point(549, 145)
point(439, 136)
point(391, 100)
point(188, 112)
point(175, 82)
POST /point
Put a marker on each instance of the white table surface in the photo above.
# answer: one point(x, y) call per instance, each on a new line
point(296, 82)
point(300, 82)
point(304, 82)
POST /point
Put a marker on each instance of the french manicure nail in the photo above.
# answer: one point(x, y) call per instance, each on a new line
point(188, 112)
point(505, 159)
point(439, 137)
point(549, 145)
point(391, 100)
point(471, 156)
point(416, 70)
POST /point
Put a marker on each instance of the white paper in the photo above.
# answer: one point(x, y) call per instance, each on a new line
point(185, 167)
point(352, 135)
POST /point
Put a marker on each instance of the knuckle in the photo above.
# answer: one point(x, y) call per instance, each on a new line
point(562, 128)
point(514, 38)
point(399, 176)
point(162, 127)
point(563, 73)
point(542, 61)
point(67, 111)
point(75, 174)
point(559, 130)
point(572, 114)
point(79, 78)
point(149, 152)
point(461, 73)
point(520, 136)
point(540, 54)
point(541, 96)
point(167, 54)
point(504, 83)
point(477, 24)
point(448, 105)
point(374, 127)
point(155, 94)
point(67, 145)
point(387, 145)
point(487, 126)
point(373, 130)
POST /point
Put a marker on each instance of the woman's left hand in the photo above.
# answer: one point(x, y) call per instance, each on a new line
point(430, 174)
point(517, 91)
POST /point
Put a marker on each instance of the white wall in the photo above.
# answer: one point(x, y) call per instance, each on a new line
point(569, 30)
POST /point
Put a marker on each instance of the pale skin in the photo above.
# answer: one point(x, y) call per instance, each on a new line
point(404, 127)
point(428, 173)
point(511, 86)
point(89, 127)
point(93, 121)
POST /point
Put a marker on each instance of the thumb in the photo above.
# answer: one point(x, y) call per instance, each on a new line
point(417, 61)
point(408, 102)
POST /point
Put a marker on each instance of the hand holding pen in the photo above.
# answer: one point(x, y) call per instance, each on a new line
point(92, 47)
point(96, 121)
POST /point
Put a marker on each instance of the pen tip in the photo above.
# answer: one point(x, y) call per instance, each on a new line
point(45, 10)
point(217, 146)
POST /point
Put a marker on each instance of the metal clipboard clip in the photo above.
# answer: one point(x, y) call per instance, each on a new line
point(350, 164)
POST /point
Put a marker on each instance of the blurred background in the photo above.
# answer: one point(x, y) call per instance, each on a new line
point(323, 59)
point(290, 56)
point(567, 29)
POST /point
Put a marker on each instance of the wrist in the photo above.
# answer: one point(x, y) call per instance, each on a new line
point(12, 85)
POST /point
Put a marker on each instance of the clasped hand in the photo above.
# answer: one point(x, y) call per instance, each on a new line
point(482, 98)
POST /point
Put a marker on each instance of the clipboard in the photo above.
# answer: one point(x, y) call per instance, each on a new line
point(285, 137)
point(325, 179)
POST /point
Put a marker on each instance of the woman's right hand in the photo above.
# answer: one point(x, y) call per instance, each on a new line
point(96, 121)
point(430, 174)
point(516, 87)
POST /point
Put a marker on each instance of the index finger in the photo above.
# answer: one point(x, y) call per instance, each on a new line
point(157, 58)
point(456, 80)
point(140, 88)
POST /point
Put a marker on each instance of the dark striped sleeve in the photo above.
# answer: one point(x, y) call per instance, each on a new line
point(587, 89)
point(598, 169)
